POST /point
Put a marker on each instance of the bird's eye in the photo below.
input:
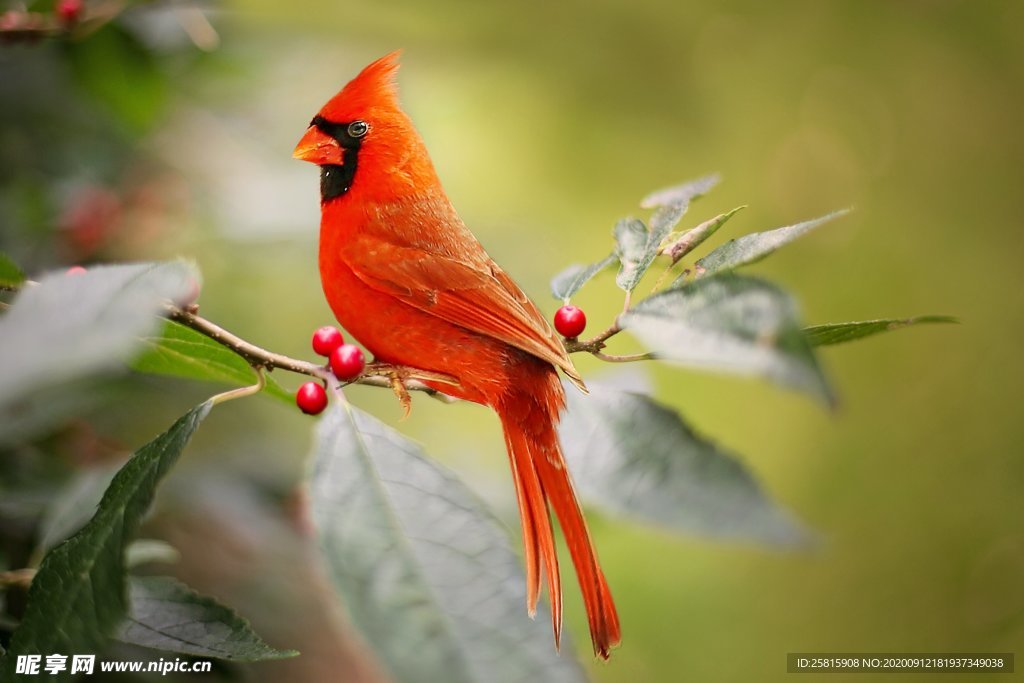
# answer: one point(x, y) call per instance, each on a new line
point(358, 129)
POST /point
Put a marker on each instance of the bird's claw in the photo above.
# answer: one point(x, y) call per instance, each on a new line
point(402, 377)
point(398, 386)
point(396, 376)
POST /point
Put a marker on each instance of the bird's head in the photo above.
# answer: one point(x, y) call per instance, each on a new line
point(362, 136)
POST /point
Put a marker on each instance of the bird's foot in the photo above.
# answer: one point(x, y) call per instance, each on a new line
point(397, 376)
point(402, 378)
point(398, 386)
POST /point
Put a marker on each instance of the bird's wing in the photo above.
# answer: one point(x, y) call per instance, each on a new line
point(478, 296)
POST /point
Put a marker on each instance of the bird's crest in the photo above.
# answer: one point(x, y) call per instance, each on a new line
point(373, 88)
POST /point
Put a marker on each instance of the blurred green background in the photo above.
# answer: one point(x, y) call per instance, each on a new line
point(169, 132)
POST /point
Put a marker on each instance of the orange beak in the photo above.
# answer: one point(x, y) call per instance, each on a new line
point(319, 148)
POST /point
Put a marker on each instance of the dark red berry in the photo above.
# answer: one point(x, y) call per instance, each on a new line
point(75, 270)
point(570, 321)
point(326, 339)
point(69, 11)
point(311, 398)
point(347, 362)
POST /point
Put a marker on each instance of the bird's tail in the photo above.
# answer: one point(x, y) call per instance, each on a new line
point(528, 417)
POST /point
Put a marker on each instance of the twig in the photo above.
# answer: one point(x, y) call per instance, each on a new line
point(257, 357)
point(628, 358)
point(261, 382)
point(594, 344)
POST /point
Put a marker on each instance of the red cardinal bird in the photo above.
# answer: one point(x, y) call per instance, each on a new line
point(405, 277)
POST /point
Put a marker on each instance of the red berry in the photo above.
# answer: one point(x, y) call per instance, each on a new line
point(69, 11)
point(570, 321)
point(75, 270)
point(311, 398)
point(347, 362)
point(326, 339)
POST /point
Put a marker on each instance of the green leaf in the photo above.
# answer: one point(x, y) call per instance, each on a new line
point(10, 274)
point(426, 572)
point(679, 244)
point(571, 280)
point(167, 615)
point(754, 247)
point(180, 351)
point(681, 194)
point(636, 246)
point(78, 596)
point(664, 219)
point(631, 237)
point(637, 458)
point(70, 327)
point(74, 505)
point(730, 323)
point(837, 333)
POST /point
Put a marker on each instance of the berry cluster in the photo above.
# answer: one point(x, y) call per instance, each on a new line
point(19, 25)
point(345, 360)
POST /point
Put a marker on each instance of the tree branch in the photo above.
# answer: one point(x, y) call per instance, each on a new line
point(594, 344)
point(628, 358)
point(376, 374)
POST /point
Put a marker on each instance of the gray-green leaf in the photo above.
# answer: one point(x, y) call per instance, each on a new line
point(678, 245)
point(631, 239)
point(78, 597)
point(571, 280)
point(754, 247)
point(730, 323)
point(167, 615)
point(70, 327)
point(638, 459)
point(837, 333)
point(681, 194)
point(427, 574)
point(180, 351)
point(637, 247)
point(10, 273)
